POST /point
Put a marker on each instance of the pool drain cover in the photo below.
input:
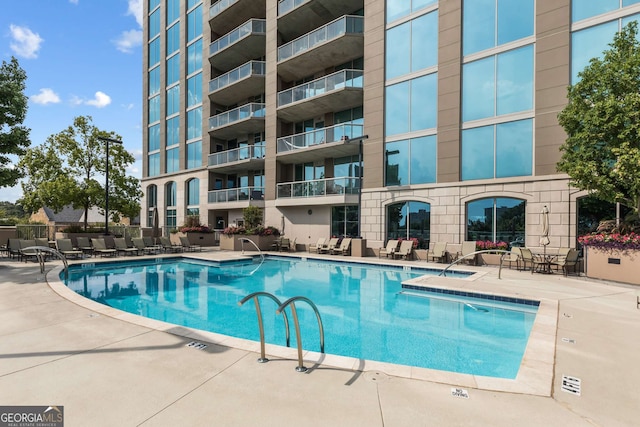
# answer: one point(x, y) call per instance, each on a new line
point(376, 376)
point(571, 385)
point(197, 345)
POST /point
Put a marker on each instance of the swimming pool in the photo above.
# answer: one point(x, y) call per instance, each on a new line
point(365, 310)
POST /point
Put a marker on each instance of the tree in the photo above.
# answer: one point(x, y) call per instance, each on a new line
point(602, 121)
point(14, 138)
point(63, 171)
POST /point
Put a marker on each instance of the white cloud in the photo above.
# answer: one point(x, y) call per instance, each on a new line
point(45, 96)
point(73, 1)
point(135, 9)
point(25, 43)
point(101, 100)
point(128, 40)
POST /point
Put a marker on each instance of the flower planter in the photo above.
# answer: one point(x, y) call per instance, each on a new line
point(612, 264)
point(233, 243)
point(195, 238)
point(489, 259)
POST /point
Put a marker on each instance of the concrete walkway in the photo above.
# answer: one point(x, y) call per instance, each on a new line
point(107, 370)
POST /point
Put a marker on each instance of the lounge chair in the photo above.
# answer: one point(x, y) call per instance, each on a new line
point(284, 244)
point(100, 247)
point(187, 246)
point(468, 247)
point(390, 249)
point(344, 248)
point(65, 247)
point(329, 247)
point(527, 258)
point(167, 246)
point(14, 249)
point(84, 245)
point(513, 256)
point(26, 254)
point(316, 247)
point(141, 245)
point(405, 251)
point(122, 247)
point(439, 252)
point(569, 261)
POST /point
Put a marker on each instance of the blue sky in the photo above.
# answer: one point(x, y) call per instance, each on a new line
point(82, 57)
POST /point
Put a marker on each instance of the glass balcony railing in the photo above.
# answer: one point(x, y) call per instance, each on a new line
point(236, 194)
point(319, 187)
point(286, 5)
point(318, 136)
point(339, 80)
point(237, 154)
point(256, 68)
point(333, 30)
point(219, 6)
point(252, 26)
point(253, 109)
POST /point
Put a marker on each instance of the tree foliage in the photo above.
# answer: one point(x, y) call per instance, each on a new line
point(14, 138)
point(68, 169)
point(602, 121)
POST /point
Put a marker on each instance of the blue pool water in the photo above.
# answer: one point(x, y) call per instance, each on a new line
point(365, 311)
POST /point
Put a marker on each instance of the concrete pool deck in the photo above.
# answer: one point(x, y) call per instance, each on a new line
point(110, 368)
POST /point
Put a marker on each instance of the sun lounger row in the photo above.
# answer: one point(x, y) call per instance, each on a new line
point(334, 246)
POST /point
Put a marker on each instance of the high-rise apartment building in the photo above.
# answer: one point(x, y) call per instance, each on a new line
point(264, 103)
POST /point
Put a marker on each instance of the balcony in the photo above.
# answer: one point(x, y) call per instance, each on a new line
point(242, 44)
point(240, 83)
point(337, 42)
point(225, 15)
point(319, 143)
point(337, 91)
point(248, 118)
point(238, 197)
point(318, 192)
point(238, 159)
point(296, 17)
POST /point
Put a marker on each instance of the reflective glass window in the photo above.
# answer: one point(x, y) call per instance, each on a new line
point(154, 52)
point(154, 138)
point(410, 220)
point(154, 81)
point(590, 43)
point(154, 109)
point(154, 164)
point(514, 148)
point(194, 123)
point(173, 160)
point(194, 23)
point(397, 9)
point(477, 153)
point(423, 160)
point(173, 10)
point(153, 4)
point(194, 154)
point(515, 20)
point(194, 57)
point(173, 69)
point(194, 90)
point(173, 131)
point(191, 3)
point(344, 221)
point(397, 108)
point(398, 52)
point(424, 41)
point(582, 9)
point(152, 196)
point(496, 219)
point(173, 38)
point(154, 24)
point(478, 89)
point(173, 100)
point(193, 192)
point(424, 102)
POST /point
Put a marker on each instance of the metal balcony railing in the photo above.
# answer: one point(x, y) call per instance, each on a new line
point(339, 27)
point(250, 68)
point(318, 136)
point(252, 26)
point(246, 111)
point(237, 154)
point(286, 5)
point(335, 81)
point(236, 194)
point(219, 6)
point(319, 187)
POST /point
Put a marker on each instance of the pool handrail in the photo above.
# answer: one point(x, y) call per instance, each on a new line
point(255, 296)
point(503, 252)
point(291, 301)
point(40, 249)
point(246, 239)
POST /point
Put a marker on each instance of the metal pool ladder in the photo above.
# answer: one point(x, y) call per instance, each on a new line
point(280, 310)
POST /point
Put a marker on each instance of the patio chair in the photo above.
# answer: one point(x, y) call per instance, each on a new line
point(390, 249)
point(167, 246)
point(468, 247)
point(526, 256)
point(187, 246)
point(405, 251)
point(562, 254)
point(65, 247)
point(513, 256)
point(122, 247)
point(100, 247)
point(344, 248)
point(569, 261)
point(292, 245)
point(333, 242)
point(141, 245)
point(26, 254)
point(14, 249)
point(284, 244)
point(84, 245)
point(316, 247)
point(438, 252)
